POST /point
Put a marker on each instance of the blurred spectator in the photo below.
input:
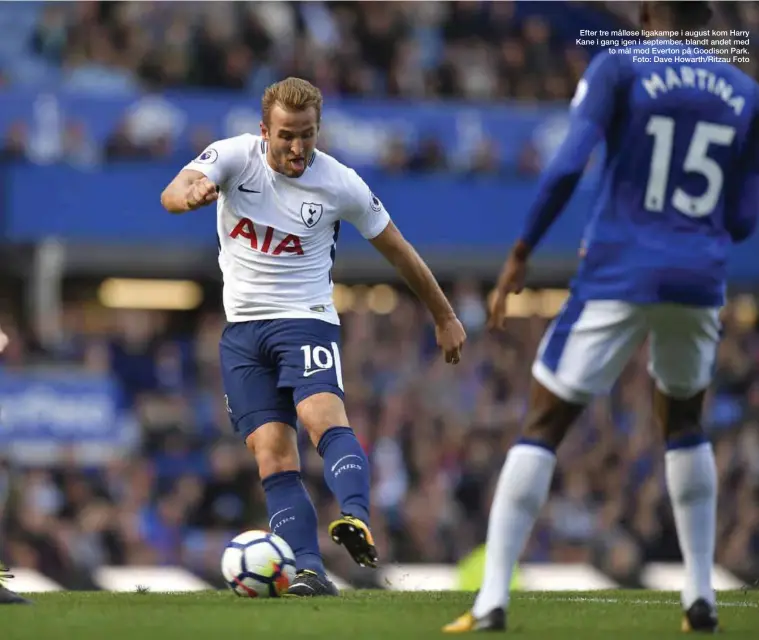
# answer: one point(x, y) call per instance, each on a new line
point(141, 137)
point(429, 157)
point(14, 146)
point(529, 163)
point(395, 158)
point(201, 137)
point(469, 303)
point(120, 146)
point(536, 35)
point(50, 36)
point(78, 148)
point(485, 160)
point(511, 61)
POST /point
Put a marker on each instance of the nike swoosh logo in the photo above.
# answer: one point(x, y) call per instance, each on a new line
point(244, 190)
point(306, 374)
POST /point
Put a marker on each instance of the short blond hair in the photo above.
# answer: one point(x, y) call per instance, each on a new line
point(292, 94)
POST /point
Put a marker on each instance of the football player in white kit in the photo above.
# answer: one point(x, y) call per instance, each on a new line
point(280, 204)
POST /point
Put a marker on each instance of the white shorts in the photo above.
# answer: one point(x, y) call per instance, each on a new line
point(589, 343)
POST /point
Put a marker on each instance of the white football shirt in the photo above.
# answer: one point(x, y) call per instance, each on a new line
point(278, 235)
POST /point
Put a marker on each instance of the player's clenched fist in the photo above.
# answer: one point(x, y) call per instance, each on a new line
point(201, 193)
point(450, 337)
point(3, 341)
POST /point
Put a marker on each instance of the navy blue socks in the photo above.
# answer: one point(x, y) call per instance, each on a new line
point(346, 471)
point(292, 517)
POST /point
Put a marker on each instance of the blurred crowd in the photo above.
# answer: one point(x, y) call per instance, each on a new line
point(139, 140)
point(482, 52)
point(476, 50)
point(470, 49)
point(436, 436)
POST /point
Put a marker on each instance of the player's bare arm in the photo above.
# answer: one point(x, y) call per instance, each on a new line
point(188, 191)
point(556, 188)
point(399, 252)
point(511, 280)
point(3, 340)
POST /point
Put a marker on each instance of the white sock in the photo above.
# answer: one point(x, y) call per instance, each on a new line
point(692, 485)
point(521, 492)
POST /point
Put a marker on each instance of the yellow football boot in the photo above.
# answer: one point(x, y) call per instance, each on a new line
point(356, 537)
point(494, 621)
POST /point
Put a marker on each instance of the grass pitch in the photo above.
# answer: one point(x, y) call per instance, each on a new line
point(357, 615)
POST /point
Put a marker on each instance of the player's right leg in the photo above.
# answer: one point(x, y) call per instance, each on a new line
point(310, 364)
point(6, 595)
point(683, 348)
point(581, 355)
point(264, 416)
point(308, 353)
point(346, 472)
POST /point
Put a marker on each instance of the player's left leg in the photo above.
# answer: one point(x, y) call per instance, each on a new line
point(582, 355)
point(346, 472)
point(683, 349)
point(309, 356)
point(520, 494)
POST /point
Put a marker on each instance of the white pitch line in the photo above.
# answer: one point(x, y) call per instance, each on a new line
point(750, 605)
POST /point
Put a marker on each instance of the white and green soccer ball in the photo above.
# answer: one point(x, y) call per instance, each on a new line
point(258, 564)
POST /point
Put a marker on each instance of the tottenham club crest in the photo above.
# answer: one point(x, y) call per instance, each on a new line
point(311, 213)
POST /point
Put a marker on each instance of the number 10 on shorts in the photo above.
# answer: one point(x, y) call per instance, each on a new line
point(319, 359)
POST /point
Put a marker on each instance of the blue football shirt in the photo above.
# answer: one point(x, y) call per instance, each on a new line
point(680, 181)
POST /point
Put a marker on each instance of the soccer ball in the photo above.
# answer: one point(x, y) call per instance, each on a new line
point(258, 564)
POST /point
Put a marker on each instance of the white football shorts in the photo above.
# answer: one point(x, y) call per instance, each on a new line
point(589, 343)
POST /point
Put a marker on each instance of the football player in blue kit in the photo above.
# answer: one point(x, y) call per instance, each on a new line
point(680, 186)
